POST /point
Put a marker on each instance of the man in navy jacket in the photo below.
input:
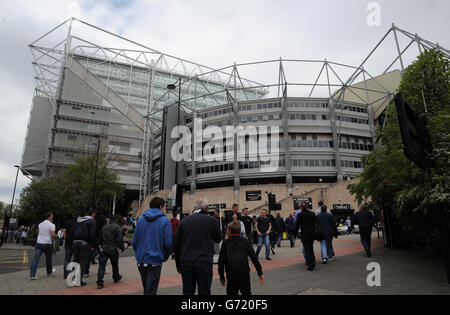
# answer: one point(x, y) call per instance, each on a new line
point(152, 244)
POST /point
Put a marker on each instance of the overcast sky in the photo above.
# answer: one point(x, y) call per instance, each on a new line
point(210, 32)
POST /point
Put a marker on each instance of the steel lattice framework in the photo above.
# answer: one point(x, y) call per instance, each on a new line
point(143, 71)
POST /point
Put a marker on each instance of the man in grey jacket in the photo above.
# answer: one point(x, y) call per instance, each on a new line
point(111, 239)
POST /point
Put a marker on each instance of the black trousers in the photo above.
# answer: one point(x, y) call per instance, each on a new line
point(238, 282)
point(150, 277)
point(113, 255)
point(81, 255)
point(197, 275)
point(365, 233)
point(308, 243)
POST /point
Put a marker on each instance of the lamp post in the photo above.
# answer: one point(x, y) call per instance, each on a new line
point(6, 219)
point(173, 87)
point(95, 172)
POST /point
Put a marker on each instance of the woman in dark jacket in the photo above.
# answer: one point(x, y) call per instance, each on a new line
point(327, 226)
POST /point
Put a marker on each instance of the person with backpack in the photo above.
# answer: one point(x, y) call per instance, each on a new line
point(327, 226)
point(234, 255)
point(84, 243)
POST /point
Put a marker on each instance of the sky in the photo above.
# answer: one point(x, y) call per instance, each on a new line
point(210, 32)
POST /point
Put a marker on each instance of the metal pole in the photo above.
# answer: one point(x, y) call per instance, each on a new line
point(95, 173)
point(178, 122)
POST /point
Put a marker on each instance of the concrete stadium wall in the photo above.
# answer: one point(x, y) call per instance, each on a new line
point(336, 193)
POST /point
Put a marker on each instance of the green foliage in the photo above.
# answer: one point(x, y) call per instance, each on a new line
point(71, 190)
point(391, 178)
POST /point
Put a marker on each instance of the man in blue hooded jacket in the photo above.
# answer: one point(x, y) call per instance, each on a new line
point(152, 244)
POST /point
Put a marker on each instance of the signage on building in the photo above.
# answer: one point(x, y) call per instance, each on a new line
point(253, 195)
point(298, 201)
point(216, 206)
point(341, 207)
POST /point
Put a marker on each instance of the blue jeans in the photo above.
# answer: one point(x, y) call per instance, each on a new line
point(67, 258)
point(197, 275)
point(39, 249)
point(150, 276)
point(263, 238)
point(279, 238)
point(323, 249)
point(326, 247)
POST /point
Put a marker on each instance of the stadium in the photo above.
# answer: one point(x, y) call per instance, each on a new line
point(94, 87)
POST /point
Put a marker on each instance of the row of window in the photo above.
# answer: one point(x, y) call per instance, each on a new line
point(352, 164)
point(307, 105)
point(355, 146)
point(311, 144)
point(313, 163)
point(215, 113)
point(351, 108)
point(281, 163)
point(259, 106)
point(353, 120)
point(308, 117)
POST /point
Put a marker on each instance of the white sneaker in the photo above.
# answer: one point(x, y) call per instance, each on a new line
point(53, 272)
point(33, 278)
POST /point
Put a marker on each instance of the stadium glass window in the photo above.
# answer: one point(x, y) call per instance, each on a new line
point(320, 144)
point(310, 145)
point(327, 162)
point(264, 106)
point(333, 163)
point(270, 117)
point(291, 117)
point(71, 138)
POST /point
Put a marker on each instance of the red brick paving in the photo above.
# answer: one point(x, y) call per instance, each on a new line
point(174, 280)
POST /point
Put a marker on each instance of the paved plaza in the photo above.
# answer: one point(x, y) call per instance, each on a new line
point(402, 272)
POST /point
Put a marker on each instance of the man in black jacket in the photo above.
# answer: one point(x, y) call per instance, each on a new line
point(111, 238)
point(84, 242)
point(365, 220)
point(233, 258)
point(307, 221)
point(194, 249)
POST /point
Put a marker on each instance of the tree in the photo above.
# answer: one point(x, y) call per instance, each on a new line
point(417, 196)
point(70, 190)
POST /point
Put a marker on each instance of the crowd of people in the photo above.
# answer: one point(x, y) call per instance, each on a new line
point(14, 236)
point(193, 243)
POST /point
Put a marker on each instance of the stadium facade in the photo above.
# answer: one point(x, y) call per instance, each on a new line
point(133, 96)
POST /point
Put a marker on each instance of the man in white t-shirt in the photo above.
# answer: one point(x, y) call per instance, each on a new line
point(44, 245)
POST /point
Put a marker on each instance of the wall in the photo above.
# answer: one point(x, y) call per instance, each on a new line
point(335, 193)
